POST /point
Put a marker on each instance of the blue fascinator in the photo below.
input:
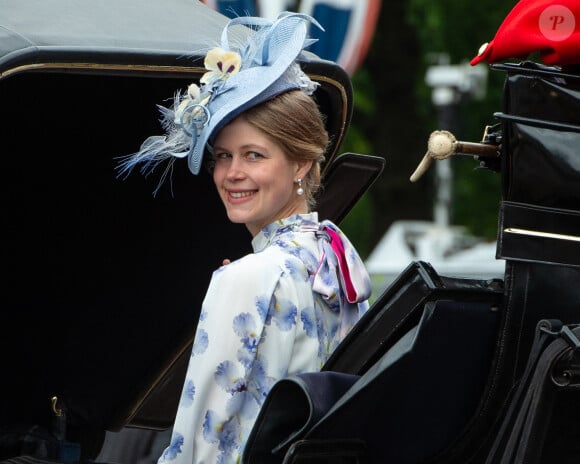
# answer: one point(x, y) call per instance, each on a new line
point(238, 77)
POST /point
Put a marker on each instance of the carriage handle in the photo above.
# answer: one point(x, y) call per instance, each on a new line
point(442, 144)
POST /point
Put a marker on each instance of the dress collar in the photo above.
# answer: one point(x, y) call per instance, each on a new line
point(339, 259)
point(295, 223)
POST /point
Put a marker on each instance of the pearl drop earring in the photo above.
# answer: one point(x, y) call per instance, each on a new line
point(300, 190)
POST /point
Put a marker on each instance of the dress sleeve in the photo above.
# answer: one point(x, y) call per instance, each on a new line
point(232, 366)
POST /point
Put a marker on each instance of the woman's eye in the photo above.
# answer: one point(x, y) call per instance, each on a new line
point(221, 156)
point(253, 155)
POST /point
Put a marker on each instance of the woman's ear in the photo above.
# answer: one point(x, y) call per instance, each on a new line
point(303, 168)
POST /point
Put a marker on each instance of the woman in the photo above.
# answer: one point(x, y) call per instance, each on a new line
point(284, 308)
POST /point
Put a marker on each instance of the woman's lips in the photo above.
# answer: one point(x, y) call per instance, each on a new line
point(240, 195)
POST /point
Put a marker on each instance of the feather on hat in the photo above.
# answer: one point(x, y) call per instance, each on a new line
point(238, 78)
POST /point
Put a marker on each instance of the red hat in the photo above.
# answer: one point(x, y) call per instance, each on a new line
point(550, 27)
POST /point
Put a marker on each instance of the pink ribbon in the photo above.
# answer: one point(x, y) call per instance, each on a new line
point(339, 252)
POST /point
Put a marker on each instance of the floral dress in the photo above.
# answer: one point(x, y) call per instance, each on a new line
point(278, 311)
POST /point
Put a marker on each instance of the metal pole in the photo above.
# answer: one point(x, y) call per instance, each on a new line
point(445, 100)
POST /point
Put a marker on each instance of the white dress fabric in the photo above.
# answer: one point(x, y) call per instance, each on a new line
point(278, 311)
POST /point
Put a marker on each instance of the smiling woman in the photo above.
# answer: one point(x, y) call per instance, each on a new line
point(254, 178)
point(267, 161)
point(284, 308)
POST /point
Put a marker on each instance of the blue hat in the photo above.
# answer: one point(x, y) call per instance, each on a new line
point(239, 77)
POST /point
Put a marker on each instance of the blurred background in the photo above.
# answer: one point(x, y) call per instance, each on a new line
point(409, 64)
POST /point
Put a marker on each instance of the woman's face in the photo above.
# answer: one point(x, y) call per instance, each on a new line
point(255, 179)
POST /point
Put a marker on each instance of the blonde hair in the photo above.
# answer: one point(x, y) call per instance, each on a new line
point(294, 121)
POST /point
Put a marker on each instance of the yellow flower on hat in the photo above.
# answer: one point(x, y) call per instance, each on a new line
point(221, 65)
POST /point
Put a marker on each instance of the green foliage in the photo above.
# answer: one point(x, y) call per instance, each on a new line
point(365, 98)
point(358, 225)
point(394, 115)
point(458, 28)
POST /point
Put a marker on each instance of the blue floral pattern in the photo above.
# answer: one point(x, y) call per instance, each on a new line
point(278, 311)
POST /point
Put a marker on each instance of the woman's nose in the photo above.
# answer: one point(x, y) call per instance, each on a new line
point(235, 170)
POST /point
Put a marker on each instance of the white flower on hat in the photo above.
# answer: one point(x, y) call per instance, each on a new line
point(193, 91)
point(221, 65)
point(192, 94)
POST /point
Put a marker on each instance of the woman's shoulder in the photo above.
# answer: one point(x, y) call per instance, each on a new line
point(273, 262)
point(281, 256)
point(249, 266)
point(266, 260)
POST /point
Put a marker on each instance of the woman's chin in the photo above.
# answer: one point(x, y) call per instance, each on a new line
point(237, 217)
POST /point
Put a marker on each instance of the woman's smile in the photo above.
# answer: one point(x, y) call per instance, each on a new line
point(237, 195)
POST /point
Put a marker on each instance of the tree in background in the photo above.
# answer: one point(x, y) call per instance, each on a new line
point(394, 116)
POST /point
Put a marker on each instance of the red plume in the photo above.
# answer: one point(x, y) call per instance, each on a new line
point(550, 27)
